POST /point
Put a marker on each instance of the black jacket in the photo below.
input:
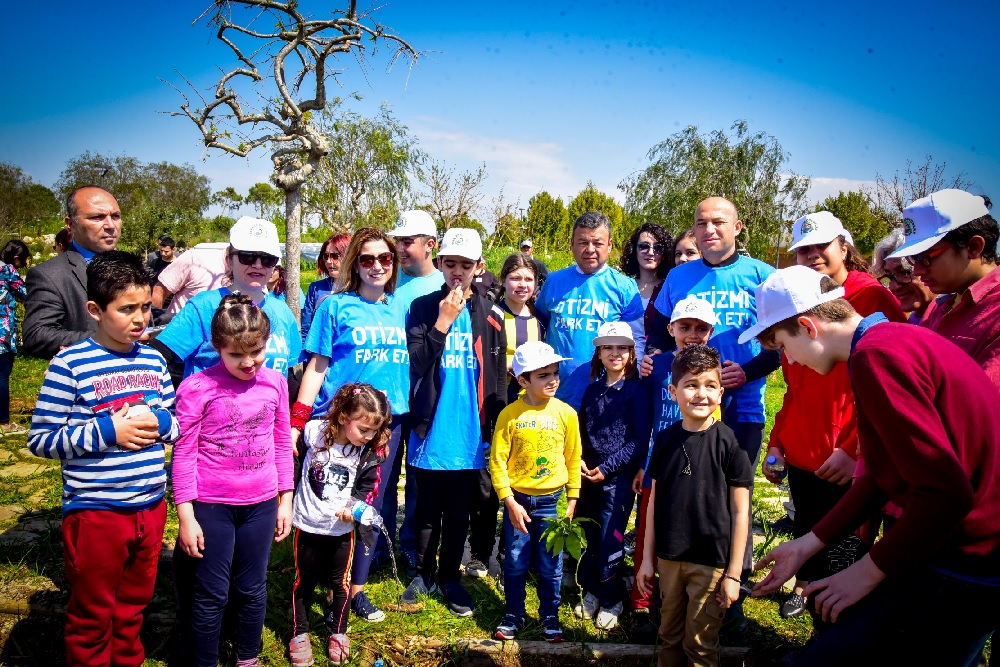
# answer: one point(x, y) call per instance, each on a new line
point(426, 346)
point(55, 312)
point(366, 489)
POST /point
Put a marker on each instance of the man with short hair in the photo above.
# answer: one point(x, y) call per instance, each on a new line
point(198, 270)
point(528, 248)
point(416, 238)
point(161, 259)
point(55, 312)
point(577, 300)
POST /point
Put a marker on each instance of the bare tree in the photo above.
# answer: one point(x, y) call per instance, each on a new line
point(452, 197)
point(280, 45)
point(915, 182)
point(507, 226)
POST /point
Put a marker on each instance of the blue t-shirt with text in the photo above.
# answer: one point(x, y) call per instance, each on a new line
point(665, 409)
point(409, 288)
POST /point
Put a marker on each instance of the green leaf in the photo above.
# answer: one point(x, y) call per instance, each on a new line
point(573, 546)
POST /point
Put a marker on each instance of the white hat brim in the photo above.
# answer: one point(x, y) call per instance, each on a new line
point(761, 325)
point(819, 236)
point(542, 363)
point(916, 247)
point(613, 340)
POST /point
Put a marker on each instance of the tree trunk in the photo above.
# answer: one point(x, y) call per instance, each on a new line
point(293, 248)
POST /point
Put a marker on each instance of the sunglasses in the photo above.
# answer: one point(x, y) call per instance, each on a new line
point(900, 277)
point(248, 258)
point(330, 255)
point(368, 261)
point(924, 259)
point(658, 248)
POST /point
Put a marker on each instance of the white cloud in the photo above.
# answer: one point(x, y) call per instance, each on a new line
point(822, 187)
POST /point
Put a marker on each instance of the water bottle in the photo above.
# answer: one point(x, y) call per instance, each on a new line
point(364, 513)
point(775, 468)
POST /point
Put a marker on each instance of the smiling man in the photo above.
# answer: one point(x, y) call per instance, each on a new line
point(56, 308)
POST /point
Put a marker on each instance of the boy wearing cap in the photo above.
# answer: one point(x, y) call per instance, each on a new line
point(536, 452)
point(416, 236)
point(926, 592)
point(458, 371)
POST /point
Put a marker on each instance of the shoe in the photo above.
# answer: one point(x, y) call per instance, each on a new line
point(13, 429)
point(607, 617)
point(509, 626)
point(783, 525)
point(735, 622)
point(644, 628)
point(457, 599)
point(794, 606)
point(587, 607)
point(410, 564)
point(416, 590)
point(551, 630)
point(339, 650)
point(366, 609)
point(629, 543)
point(249, 662)
point(300, 652)
point(476, 569)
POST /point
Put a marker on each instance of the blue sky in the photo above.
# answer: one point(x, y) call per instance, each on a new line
point(548, 95)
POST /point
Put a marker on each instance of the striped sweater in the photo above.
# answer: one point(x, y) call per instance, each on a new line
point(84, 385)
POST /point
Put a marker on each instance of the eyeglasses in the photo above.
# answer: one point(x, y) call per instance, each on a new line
point(658, 248)
point(368, 261)
point(248, 258)
point(330, 255)
point(900, 277)
point(924, 259)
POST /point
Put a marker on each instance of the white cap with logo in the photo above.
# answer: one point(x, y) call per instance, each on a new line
point(927, 220)
point(787, 293)
point(816, 228)
point(614, 333)
point(415, 223)
point(463, 243)
point(534, 355)
point(255, 235)
point(526, 242)
point(694, 308)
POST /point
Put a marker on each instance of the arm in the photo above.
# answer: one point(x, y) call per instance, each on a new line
point(424, 342)
point(45, 314)
point(175, 365)
point(739, 509)
point(762, 365)
point(169, 429)
point(499, 458)
point(308, 308)
point(658, 337)
point(573, 453)
point(191, 409)
point(160, 294)
point(647, 569)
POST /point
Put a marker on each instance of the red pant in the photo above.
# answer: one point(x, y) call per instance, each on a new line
point(111, 558)
point(640, 598)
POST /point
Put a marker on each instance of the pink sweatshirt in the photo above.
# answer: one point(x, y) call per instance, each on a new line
point(235, 446)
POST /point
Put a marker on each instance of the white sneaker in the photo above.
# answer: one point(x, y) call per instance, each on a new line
point(607, 618)
point(587, 607)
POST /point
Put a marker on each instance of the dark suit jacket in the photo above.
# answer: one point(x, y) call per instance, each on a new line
point(55, 312)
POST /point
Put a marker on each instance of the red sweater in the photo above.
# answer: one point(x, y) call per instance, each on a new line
point(930, 438)
point(817, 413)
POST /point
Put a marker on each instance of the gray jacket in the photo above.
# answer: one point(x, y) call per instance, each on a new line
point(55, 312)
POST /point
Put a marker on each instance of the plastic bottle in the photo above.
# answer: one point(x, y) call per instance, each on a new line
point(364, 513)
point(775, 468)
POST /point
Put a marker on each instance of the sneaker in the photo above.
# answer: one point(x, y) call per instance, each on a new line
point(629, 544)
point(410, 563)
point(366, 609)
point(644, 628)
point(339, 650)
point(793, 606)
point(607, 617)
point(476, 569)
point(416, 590)
point(509, 626)
point(551, 630)
point(457, 599)
point(249, 662)
point(13, 429)
point(587, 607)
point(300, 652)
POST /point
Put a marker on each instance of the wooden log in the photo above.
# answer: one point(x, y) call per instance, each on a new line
point(577, 649)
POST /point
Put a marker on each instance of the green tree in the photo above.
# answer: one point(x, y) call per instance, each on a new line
point(592, 199)
point(265, 198)
point(744, 167)
point(548, 219)
point(229, 200)
point(26, 207)
point(867, 223)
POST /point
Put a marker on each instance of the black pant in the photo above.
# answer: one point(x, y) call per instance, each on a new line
point(444, 502)
point(483, 519)
point(322, 559)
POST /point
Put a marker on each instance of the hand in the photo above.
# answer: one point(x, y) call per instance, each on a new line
point(190, 537)
point(594, 475)
point(518, 515)
point(779, 457)
point(134, 433)
point(838, 468)
point(570, 508)
point(787, 558)
point(728, 593)
point(646, 577)
point(732, 375)
point(283, 526)
point(637, 482)
point(295, 442)
point(346, 515)
point(449, 309)
point(646, 367)
point(838, 592)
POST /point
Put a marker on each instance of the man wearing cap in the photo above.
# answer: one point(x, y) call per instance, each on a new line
point(951, 239)
point(542, 271)
point(577, 300)
point(416, 238)
point(55, 311)
point(929, 435)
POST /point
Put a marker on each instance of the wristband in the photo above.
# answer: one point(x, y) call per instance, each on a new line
point(732, 578)
point(300, 414)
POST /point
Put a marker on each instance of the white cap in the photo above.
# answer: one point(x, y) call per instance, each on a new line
point(526, 242)
point(415, 223)
point(463, 243)
point(816, 228)
point(255, 235)
point(614, 333)
point(787, 293)
point(694, 308)
point(927, 220)
point(534, 355)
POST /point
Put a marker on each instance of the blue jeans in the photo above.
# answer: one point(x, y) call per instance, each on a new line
point(363, 556)
point(527, 549)
point(6, 367)
point(390, 503)
point(609, 503)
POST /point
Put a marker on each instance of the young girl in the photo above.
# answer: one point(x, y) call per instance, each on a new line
point(685, 249)
point(615, 424)
point(340, 469)
point(232, 481)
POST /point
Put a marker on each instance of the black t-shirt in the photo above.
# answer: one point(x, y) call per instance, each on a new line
point(156, 265)
point(691, 514)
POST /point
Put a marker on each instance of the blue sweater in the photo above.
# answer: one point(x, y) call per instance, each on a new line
point(615, 424)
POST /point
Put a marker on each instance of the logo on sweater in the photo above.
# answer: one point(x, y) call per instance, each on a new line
point(909, 227)
point(541, 468)
point(326, 480)
point(808, 226)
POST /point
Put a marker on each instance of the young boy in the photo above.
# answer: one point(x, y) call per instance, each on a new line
point(699, 509)
point(930, 439)
point(536, 452)
point(104, 411)
point(458, 372)
point(691, 323)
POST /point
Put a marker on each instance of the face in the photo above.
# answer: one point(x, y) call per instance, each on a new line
point(519, 285)
point(591, 248)
point(414, 250)
point(123, 322)
point(253, 277)
point(615, 357)
point(827, 258)
point(98, 221)
point(542, 384)
point(698, 395)
point(689, 331)
point(167, 253)
point(359, 430)
point(945, 270)
point(912, 295)
point(649, 252)
point(243, 364)
point(526, 249)
point(459, 271)
point(685, 250)
point(806, 348)
point(380, 270)
point(331, 260)
point(716, 226)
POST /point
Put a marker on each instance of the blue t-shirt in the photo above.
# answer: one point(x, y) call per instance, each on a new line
point(574, 304)
point(409, 288)
point(730, 290)
point(454, 441)
point(366, 342)
point(189, 334)
point(665, 410)
point(283, 297)
point(318, 289)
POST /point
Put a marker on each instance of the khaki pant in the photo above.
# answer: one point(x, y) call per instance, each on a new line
point(691, 617)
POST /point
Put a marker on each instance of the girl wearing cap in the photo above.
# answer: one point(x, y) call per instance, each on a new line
point(815, 434)
point(615, 424)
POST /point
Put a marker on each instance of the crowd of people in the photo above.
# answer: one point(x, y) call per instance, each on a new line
point(597, 384)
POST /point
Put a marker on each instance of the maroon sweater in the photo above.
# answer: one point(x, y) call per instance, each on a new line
point(930, 436)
